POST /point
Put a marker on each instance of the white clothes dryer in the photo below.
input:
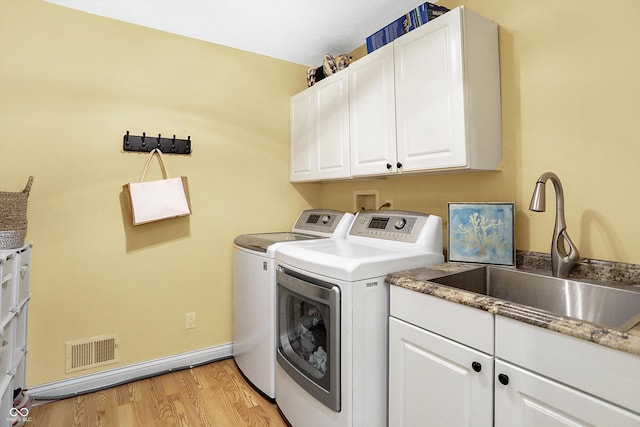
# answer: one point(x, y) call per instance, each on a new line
point(333, 311)
point(254, 327)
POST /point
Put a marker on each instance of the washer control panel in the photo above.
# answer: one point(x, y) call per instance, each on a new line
point(320, 220)
point(400, 226)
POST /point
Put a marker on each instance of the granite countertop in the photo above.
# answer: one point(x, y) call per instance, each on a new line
point(418, 280)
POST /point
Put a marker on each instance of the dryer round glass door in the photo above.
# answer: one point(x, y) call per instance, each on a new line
point(309, 334)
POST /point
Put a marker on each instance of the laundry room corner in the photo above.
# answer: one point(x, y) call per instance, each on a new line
point(79, 77)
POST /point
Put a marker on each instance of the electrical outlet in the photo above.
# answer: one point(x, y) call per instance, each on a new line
point(191, 320)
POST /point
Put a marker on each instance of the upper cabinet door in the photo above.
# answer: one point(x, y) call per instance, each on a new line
point(372, 114)
point(332, 150)
point(430, 95)
point(320, 131)
point(448, 94)
point(302, 131)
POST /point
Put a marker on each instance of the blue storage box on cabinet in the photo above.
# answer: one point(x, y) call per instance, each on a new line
point(410, 21)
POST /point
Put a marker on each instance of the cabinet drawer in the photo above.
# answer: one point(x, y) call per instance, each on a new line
point(466, 325)
point(603, 372)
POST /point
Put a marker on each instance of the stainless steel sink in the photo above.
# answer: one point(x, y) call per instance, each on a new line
point(604, 303)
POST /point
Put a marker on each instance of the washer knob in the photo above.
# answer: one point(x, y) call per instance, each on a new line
point(325, 219)
point(400, 223)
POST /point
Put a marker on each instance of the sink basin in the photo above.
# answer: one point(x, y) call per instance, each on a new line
point(605, 304)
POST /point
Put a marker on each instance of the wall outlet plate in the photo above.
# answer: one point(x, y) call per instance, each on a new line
point(190, 320)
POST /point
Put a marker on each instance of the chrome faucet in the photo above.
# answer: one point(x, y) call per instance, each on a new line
point(561, 262)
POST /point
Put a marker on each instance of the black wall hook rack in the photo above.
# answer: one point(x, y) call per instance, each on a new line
point(146, 143)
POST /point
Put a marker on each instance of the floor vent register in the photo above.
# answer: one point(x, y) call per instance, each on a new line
point(92, 352)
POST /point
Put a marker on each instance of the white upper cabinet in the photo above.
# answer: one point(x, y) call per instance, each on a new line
point(320, 131)
point(372, 114)
point(429, 101)
point(302, 136)
point(448, 94)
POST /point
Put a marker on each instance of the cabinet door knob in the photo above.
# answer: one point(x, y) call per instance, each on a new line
point(476, 366)
point(504, 379)
point(398, 165)
point(389, 165)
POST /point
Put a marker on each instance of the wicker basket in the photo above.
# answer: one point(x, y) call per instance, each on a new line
point(13, 217)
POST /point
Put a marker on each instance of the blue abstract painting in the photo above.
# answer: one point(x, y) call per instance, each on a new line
point(482, 232)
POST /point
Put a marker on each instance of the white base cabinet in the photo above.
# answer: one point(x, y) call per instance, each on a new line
point(523, 398)
point(440, 372)
point(555, 379)
point(436, 382)
point(529, 376)
point(14, 299)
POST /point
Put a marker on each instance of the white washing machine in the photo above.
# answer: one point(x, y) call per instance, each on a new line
point(254, 327)
point(333, 311)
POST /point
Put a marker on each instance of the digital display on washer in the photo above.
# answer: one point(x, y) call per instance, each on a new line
point(378, 223)
point(313, 219)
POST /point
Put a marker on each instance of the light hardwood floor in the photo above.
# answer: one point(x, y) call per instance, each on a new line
point(212, 395)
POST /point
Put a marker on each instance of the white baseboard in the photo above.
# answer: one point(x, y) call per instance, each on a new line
point(113, 377)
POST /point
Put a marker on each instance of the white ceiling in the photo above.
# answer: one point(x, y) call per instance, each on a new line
point(299, 31)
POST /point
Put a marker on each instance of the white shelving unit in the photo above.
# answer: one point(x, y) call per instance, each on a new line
point(14, 299)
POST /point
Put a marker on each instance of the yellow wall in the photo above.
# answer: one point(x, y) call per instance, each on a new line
point(570, 104)
point(71, 84)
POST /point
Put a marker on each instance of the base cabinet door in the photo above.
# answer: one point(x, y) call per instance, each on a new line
point(437, 382)
point(523, 398)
